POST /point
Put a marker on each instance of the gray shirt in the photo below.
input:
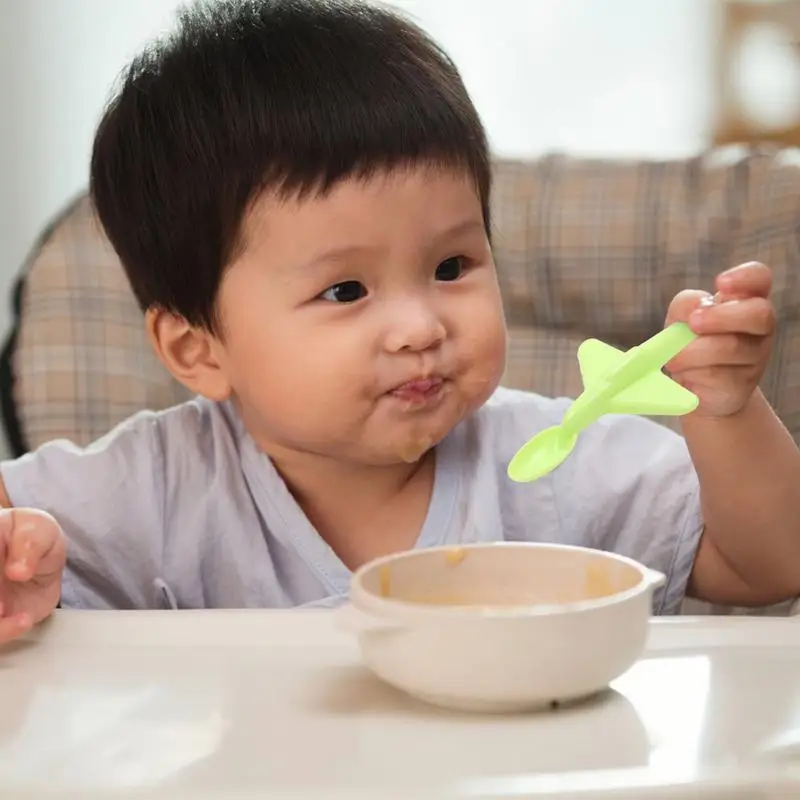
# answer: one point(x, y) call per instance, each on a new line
point(180, 509)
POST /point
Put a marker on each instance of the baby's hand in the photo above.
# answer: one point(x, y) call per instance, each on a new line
point(724, 365)
point(32, 556)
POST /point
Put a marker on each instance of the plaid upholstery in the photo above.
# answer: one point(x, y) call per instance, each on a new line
point(82, 362)
point(583, 248)
point(599, 248)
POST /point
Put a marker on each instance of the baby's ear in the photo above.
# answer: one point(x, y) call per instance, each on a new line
point(189, 353)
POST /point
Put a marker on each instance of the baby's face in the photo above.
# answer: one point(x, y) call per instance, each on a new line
point(365, 324)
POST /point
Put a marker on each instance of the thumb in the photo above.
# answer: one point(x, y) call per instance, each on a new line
point(34, 544)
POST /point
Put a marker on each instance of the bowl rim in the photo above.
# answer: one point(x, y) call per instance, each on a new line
point(368, 601)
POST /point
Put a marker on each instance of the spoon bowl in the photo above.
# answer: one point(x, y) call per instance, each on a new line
point(542, 454)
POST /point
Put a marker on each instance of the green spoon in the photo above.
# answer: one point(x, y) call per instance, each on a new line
point(615, 382)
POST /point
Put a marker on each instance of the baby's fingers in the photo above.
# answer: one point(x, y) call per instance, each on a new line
point(14, 626)
point(31, 538)
point(746, 280)
point(753, 316)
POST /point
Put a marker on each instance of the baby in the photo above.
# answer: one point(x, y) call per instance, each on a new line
point(299, 194)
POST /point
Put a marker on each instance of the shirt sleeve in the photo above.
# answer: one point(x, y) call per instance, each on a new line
point(630, 487)
point(109, 499)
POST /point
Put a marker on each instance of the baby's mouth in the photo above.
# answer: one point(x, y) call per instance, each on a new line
point(419, 390)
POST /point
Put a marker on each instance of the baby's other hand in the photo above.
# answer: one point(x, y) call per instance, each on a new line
point(33, 553)
point(724, 365)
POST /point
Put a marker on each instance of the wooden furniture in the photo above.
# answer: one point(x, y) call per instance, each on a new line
point(739, 20)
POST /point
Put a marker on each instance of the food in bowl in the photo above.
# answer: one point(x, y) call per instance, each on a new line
point(501, 626)
point(598, 578)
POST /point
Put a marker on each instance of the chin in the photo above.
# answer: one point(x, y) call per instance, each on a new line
point(460, 407)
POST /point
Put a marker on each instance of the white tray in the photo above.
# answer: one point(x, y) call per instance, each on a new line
point(234, 705)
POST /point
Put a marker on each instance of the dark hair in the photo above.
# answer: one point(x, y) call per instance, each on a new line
point(252, 95)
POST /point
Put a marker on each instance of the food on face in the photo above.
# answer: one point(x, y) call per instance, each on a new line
point(412, 449)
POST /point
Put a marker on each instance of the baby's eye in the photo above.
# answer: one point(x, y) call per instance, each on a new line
point(345, 292)
point(451, 269)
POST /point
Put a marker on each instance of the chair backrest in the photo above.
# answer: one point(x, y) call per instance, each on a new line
point(583, 248)
point(79, 358)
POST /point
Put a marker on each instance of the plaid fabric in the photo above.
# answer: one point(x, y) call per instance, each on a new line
point(599, 248)
point(82, 362)
point(583, 248)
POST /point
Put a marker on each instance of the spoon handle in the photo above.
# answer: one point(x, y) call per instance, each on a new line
point(652, 354)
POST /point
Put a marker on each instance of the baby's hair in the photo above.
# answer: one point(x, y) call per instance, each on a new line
point(254, 96)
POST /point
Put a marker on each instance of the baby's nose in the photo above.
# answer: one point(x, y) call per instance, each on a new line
point(414, 326)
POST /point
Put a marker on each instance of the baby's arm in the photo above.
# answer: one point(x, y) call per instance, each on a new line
point(747, 463)
point(32, 557)
point(108, 498)
point(749, 471)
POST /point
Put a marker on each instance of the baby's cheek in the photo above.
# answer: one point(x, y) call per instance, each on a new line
point(490, 341)
point(487, 362)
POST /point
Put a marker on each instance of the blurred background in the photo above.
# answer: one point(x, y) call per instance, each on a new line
point(617, 77)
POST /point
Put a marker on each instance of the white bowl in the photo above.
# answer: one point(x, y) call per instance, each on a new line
point(503, 626)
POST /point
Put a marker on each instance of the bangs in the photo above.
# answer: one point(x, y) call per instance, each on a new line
point(248, 96)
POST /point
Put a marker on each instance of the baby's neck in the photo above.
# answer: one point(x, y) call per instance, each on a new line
point(361, 512)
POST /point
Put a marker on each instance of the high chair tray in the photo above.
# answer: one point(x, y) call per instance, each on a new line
point(247, 704)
